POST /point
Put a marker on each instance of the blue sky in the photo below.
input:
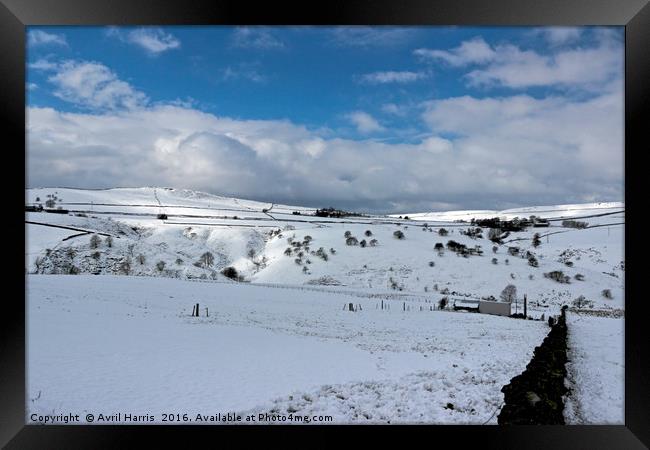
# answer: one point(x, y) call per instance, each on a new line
point(264, 111)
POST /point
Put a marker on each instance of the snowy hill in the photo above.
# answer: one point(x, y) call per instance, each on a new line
point(267, 243)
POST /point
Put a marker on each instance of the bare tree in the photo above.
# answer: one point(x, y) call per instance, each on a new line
point(95, 240)
point(125, 266)
point(207, 259)
point(509, 293)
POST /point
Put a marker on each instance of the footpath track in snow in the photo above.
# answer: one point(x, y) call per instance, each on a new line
point(596, 370)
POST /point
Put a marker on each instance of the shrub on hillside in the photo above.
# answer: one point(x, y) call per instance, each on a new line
point(558, 275)
point(574, 224)
point(398, 234)
point(473, 233)
point(351, 241)
point(231, 272)
point(582, 302)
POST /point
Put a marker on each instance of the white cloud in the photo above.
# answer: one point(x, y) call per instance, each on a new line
point(581, 68)
point(559, 35)
point(553, 142)
point(43, 64)
point(364, 122)
point(505, 151)
point(153, 40)
point(40, 37)
point(91, 85)
point(364, 36)
point(510, 66)
point(392, 108)
point(392, 77)
point(474, 51)
point(242, 72)
point(256, 37)
point(31, 86)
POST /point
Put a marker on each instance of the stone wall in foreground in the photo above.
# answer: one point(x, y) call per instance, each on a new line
point(535, 396)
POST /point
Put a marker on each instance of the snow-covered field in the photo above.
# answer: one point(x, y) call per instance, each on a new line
point(281, 341)
point(596, 370)
point(102, 344)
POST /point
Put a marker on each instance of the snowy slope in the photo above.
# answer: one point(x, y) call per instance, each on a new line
point(243, 234)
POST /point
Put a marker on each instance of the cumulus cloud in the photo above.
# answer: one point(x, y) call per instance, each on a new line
point(256, 37)
point(505, 152)
point(91, 85)
point(507, 65)
point(392, 77)
point(364, 122)
point(40, 37)
point(153, 40)
point(552, 144)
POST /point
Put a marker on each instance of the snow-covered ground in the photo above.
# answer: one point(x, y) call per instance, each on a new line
point(102, 344)
point(281, 341)
point(596, 370)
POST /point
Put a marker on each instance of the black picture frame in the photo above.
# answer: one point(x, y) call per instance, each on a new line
point(15, 15)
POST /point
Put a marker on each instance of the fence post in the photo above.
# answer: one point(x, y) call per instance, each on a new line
point(525, 307)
